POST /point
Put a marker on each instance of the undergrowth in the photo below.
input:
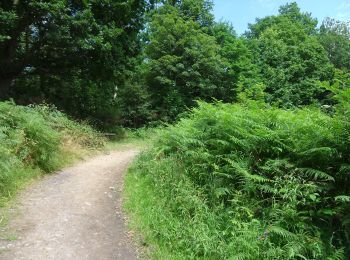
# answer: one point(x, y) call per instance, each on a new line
point(141, 138)
point(36, 140)
point(238, 182)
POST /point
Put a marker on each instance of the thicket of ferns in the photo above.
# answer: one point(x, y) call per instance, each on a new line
point(252, 183)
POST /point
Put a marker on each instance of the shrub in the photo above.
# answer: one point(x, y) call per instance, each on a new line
point(239, 182)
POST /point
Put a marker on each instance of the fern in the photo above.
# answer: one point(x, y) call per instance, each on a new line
point(282, 232)
point(315, 174)
point(248, 183)
point(342, 198)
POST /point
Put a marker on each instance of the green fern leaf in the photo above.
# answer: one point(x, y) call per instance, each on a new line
point(342, 198)
point(316, 174)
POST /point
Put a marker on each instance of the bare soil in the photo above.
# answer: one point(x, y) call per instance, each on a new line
point(74, 214)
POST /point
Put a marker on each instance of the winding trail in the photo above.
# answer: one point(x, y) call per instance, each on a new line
point(74, 214)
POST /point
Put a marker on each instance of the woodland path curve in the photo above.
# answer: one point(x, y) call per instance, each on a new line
point(74, 214)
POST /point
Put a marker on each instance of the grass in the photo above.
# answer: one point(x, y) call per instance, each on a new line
point(241, 182)
point(141, 138)
point(34, 141)
point(164, 234)
point(37, 140)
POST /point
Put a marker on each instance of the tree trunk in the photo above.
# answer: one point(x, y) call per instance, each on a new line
point(5, 85)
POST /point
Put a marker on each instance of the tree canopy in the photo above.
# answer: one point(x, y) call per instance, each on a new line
point(87, 57)
point(71, 53)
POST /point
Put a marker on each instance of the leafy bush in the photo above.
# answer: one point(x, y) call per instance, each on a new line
point(235, 182)
point(37, 139)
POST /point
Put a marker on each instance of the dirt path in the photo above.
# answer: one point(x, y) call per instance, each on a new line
point(74, 214)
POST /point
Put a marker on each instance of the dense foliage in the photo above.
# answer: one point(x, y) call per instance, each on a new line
point(284, 56)
point(334, 36)
point(265, 176)
point(132, 62)
point(184, 64)
point(242, 182)
point(70, 53)
point(291, 59)
point(38, 139)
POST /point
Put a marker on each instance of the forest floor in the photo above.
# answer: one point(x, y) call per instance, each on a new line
point(74, 214)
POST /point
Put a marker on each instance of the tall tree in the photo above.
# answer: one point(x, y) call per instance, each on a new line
point(240, 70)
point(335, 38)
point(199, 11)
point(184, 62)
point(290, 57)
point(20, 38)
point(290, 12)
point(71, 53)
